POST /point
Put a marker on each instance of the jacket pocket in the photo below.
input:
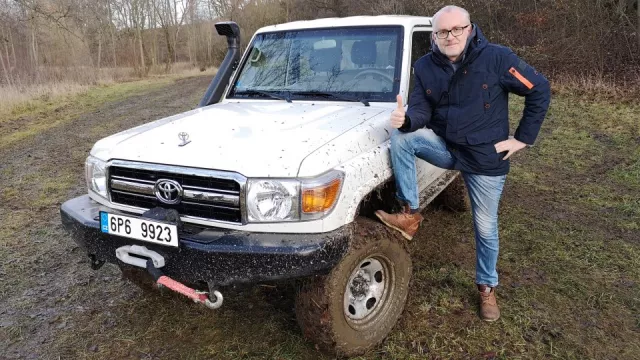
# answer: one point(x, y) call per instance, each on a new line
point(484, 136)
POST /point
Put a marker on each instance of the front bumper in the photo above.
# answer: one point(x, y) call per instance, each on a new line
point(217, 256)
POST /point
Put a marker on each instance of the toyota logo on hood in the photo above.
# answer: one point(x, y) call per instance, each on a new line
point(168, 191)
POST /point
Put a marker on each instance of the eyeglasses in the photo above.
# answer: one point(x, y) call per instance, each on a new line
point(456, 31)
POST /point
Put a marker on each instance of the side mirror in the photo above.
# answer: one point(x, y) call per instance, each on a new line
point(255, 56)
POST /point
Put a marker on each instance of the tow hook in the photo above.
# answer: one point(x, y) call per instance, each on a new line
point(153, 263)
point(210, 300)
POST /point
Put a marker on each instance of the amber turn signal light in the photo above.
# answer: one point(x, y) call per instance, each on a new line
point(320, 198)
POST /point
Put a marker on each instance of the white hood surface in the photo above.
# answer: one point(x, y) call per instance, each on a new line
point(256, 139)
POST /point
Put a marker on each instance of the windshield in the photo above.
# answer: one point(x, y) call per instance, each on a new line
point(354, 63)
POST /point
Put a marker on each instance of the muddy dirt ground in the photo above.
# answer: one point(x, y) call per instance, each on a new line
point(39, 303)
point(52, 305)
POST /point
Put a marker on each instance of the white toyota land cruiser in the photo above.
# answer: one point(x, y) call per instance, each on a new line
point(275, 175)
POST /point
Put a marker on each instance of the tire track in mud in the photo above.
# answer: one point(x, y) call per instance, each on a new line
point(39, 262)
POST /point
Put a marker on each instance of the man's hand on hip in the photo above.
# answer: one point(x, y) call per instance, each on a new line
point(398, 115)
point(512, 145)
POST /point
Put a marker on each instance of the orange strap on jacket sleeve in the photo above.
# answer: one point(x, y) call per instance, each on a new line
point(522, 79)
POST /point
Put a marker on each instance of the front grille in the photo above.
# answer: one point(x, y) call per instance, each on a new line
point(210, 195)
point(184, 179)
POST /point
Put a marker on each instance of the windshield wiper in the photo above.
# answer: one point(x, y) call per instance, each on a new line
point(330, 95)
point(264, 93)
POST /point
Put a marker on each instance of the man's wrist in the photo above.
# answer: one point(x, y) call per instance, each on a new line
point(407, 123)
point(524, 143)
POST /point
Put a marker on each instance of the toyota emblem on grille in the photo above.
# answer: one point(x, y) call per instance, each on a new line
point(168, 191)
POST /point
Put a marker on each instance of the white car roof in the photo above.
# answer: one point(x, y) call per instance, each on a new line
point(404, 20)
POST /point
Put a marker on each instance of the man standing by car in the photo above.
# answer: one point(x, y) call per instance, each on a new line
point(457, 118)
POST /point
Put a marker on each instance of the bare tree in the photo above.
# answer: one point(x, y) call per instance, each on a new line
point(171, 16)
point(5, 69)
point(39, 37)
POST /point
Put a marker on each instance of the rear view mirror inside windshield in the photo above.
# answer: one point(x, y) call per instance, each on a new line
point(324, 44)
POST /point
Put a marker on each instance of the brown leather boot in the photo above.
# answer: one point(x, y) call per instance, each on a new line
point(489, 310)
point(405, 222)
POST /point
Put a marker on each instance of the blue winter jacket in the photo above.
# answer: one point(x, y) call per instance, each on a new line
point(468, 107)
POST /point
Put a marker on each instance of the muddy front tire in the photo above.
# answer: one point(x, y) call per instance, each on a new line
point(355, 306)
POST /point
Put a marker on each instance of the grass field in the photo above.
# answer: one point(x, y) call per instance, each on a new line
point(569, 263)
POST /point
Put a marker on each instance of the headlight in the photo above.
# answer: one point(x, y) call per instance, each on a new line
point(279, 200)
point(96, 175)
point(273, 200)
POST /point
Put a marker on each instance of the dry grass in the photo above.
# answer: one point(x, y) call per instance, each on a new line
point(598, 87)
point(53, 82)
point(14, 97)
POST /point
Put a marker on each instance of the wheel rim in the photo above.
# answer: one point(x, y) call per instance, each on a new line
point(367, 290)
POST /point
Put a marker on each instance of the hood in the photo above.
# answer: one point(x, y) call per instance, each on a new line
point(255, 139)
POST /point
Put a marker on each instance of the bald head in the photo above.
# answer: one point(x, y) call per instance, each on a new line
point(456, 11)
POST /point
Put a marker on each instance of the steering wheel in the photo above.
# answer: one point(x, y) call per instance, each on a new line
point(373, 72)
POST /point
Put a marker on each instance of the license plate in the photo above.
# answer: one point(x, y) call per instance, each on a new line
point(140, 229)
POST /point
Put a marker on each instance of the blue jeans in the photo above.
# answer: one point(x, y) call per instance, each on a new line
point(484, 192)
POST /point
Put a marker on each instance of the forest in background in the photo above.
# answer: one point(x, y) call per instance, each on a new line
point(90, 41)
